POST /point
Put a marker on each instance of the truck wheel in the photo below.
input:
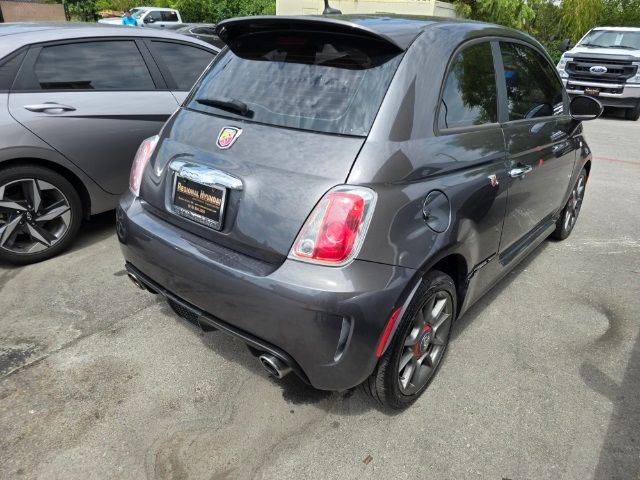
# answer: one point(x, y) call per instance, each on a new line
point(632, 113)
point(418, 346)
point(40, 214)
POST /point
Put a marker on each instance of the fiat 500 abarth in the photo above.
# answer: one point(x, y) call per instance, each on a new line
point(337, 191)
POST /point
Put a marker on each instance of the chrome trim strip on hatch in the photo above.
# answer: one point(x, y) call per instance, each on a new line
point(205, 175)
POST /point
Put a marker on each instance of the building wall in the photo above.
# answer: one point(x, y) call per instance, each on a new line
point(445, 9)
point(28, 12)
point(406, 7)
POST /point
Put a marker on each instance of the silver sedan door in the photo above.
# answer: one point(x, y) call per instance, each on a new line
point(93, 101)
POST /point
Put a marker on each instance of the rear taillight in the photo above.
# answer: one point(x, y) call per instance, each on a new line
point(333, 233)
point(140, 162)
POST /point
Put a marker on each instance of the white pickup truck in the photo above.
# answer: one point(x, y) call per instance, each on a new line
point(604, 64)
point(156, 17)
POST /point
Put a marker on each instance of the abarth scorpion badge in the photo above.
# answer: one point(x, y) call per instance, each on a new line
point(227, 137)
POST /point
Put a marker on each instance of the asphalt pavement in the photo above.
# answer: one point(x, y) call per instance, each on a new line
point(542, 378)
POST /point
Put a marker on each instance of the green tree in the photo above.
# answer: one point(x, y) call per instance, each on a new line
point(578, 16)
point(83, 10)
point(621, 13)
point(115, 5)
point(190, 10)
point(238, 8)
point(194, 10)
point(511, 13)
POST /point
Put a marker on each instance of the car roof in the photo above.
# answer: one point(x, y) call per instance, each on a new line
point(154, 8)
point(619, 29)
point(16, 35)
point(399, 30)
point(189, 26)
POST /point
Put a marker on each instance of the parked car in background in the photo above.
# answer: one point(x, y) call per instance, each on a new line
point(395, 170)
point(167, 18)
point(76, 100)
point(604, 64)
point(202, 31)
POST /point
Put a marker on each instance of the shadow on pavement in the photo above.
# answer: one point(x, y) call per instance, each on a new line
point(612, 113)
point(96, 229)
point(479, 307)
point(620, 454)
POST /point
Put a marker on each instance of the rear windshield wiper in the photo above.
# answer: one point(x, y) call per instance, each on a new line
point(229, 104)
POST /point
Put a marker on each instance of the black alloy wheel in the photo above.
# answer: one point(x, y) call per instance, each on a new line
point(569, 214)
point(419, 345)
point(425, 343)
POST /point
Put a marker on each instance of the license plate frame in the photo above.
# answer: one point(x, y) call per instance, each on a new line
point(592, 91)
point(197, 202)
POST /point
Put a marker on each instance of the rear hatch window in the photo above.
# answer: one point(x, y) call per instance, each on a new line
point(324, 82)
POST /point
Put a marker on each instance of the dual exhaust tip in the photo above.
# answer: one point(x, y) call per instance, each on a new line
point(136, 281)
point(139, 283)
point(272, 364)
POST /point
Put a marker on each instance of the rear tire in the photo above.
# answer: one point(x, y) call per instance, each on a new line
point(632, 113)
point(40, 214)
point(570, 212)
point(422, 343)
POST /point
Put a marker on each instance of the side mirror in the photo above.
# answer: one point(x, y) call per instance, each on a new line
point(148, 20)
point(584, 108)
point(565, 45)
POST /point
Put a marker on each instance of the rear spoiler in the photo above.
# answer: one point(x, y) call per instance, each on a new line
point(234, 28)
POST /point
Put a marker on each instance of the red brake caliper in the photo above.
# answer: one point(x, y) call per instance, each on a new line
point(417, 351)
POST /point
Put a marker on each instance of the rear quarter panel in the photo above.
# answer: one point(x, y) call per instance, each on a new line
point(404, 159)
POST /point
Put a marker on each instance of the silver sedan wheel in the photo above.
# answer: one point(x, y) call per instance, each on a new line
point(425, 343)
point(34, 216)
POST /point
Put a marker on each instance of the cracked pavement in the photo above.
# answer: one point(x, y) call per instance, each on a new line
point(542, 379)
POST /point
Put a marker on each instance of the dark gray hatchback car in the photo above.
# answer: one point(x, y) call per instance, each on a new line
point(337, 191)
point(76, 100)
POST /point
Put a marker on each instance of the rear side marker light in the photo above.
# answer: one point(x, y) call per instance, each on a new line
point(391, 323)
point(140, 161)
point(335, 230)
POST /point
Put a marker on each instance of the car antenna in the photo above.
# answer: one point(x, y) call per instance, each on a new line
point(328, 10)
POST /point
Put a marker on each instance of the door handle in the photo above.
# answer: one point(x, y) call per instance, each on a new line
point(43, 107)
point(520, 171)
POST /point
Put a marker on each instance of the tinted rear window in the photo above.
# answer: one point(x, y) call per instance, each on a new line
point(185, 63)
point(8, 69)
point(108, 65)
point(325, 83)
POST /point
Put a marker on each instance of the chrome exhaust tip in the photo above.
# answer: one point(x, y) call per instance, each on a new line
point(136, 281)
point(274, 365)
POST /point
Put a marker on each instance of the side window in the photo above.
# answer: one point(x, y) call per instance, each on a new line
point(154, 15)
point(109, 65)
point(185, 63)
point(169, 16)
point(533, 88)
point(8, 70)
point(469, 97)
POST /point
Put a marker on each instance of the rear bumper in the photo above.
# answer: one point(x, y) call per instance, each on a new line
point(324, 321)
